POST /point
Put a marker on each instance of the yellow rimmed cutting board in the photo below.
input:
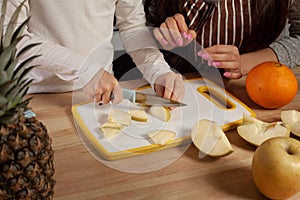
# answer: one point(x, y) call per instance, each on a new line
point(204, 99)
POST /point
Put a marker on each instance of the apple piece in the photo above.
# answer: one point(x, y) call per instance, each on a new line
point(139, 115)
point(110, 124)
point(292, 119)
point(161, 137)
point(276, 167)
point(248, 119)
point(295, 129)
point(119, 117)
point(210, 139)
point(160, 112)
point(290, 116)
point(256, 131)
point(109, 132)
point(110, 129)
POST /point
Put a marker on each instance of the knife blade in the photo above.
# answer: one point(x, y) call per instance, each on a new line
point(148, 99)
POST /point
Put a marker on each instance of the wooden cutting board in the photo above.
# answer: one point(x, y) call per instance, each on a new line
point(204, 99)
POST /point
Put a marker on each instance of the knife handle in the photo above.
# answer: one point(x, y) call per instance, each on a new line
point(129, 94)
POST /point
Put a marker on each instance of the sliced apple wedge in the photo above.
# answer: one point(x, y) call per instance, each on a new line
point(247, 119)
point(292, 119)
point(160, 112)
point(296, 128)
point(290, 116)
point(110, 129)
point(161, 137)
point(210, 139)
point(110, 124)
point(139, 115)
point(256, 131)
point(119, 117)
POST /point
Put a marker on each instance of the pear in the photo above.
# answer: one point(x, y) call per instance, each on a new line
point(139, 115)
point(210, 139)
point(161, 137)
point(256, 131)
point(290, 116)
point(116, 120)
point(160, 112)
point(109, 129)
point(120, 117)
point(296, 128)
point(292, 119)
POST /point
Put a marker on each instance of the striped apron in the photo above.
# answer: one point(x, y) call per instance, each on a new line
point(219, 21)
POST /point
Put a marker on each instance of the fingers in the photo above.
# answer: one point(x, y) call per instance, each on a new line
point(174, 32)
point(102, 86)
point(233, 74)
point(172, 28)
point(159, 89)
point(226, 57)
point(170, 86)
point(102, 95)
point(159, 35)
point(191, 34)
point(179, 89)
point(117, 94)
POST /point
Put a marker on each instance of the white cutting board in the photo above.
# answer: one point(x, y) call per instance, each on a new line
point(133, 140)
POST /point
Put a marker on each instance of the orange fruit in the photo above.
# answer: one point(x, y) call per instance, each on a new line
point(271, 85)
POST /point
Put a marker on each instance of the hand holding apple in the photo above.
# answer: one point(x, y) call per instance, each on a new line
point(276, 167)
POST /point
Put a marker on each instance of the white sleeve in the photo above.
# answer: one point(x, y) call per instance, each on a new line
point(138, 41)
point(64, 63)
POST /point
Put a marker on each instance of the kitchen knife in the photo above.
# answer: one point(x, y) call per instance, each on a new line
point(148, 99)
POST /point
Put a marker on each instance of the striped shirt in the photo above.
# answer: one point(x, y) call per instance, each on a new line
point(219, 21)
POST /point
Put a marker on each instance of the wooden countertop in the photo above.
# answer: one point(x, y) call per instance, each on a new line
point(82, 175)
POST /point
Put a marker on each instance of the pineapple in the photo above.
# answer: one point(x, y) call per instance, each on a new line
point(26, 155)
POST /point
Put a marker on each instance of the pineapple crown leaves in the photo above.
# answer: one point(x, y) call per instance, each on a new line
point(13, 84)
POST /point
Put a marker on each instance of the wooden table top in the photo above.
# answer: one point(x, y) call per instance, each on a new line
point(82, 175)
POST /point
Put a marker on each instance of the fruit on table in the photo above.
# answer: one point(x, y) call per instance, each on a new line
point(120, 117)
point(256, 131)
point(292, 119)
point(160, 112)
point(271, 85)
point(210, 139)
point(26, 155)
point(139, 115)
point(110, 129)
point(276, 167)
point(161, 137)
point(116, 120)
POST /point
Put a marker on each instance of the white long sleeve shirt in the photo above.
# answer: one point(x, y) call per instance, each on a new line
point(75, 38)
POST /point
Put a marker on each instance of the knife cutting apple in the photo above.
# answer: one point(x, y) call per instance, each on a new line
point(148, 99)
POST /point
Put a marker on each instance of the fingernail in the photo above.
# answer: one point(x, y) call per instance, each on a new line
point(173, 44)
point(179, 41)
point(189, 37)
point(205, 56)
point(164, 41)
point(200, 53)
point(216, 64)
point(210, 63)
point(227, 74)
point(184, 35)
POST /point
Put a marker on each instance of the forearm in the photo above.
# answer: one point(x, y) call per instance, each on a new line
point(287, 47)
point(250, 60)
point(139, 43)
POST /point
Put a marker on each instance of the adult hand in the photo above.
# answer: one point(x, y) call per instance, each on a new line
point(102, 85)
point(170, 86)
point(174, 32)
point(225, 56)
